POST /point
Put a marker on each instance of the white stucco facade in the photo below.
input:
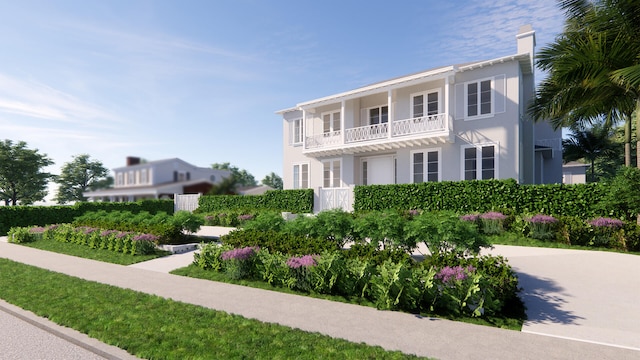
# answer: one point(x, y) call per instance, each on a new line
point(458, 122)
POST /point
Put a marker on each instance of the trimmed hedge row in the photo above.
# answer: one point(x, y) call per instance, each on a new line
point(295, 201)
point(24, 216)
point(484, 195)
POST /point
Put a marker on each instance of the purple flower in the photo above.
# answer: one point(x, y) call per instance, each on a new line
point(221, 215)
point(36, 230)
point(208, 218)
point(606, 222)
point(240, 254)
point(542, 219)
point(449, 273)
point(87, 230)
point(493, 215)
point(122, 234)
point(414, 212)
point(245, 217)
point(145, 237)
point(52, 227)
point(303, 261)
point(469, 217)
point(108, 232)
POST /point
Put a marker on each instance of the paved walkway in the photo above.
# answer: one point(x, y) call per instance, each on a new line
point(554, 310)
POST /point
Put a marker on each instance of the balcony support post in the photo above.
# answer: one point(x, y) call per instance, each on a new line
point(390, 115)
point(343, 130)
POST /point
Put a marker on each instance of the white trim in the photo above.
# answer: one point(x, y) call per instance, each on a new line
point(425, 153)
point(478, 147)
point(332, 120)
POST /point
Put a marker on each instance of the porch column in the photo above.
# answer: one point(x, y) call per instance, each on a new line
point(390, 109)
point(342, 128)
point(304, 129)
point(447, 88)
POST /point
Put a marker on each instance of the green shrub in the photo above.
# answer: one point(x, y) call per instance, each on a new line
point(295, 201)
point(445, 232)
point(265, 221)
point(376, 256)
point(20, 235)
point(623, 197)
point(277, 242)
point(386, 228)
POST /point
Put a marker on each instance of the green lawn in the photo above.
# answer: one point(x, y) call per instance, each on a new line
point(93, 254)
point(153, 327)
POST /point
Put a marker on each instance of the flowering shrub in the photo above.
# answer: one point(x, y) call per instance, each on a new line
point(542, 226)
point(239, 263)
point(470, 217)
point(299, 268)
point(607, 232)
point(449, 274)
point(245, 217)
point(492, 222)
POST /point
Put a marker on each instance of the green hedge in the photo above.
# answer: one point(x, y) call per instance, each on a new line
point(24, 216)
point(295, 201)
point(484, 195)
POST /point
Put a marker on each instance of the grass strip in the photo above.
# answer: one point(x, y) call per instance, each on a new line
point(149, 326)
point(93, 254)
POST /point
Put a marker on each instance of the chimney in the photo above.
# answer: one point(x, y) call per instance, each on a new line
point(526, 40)
point(132, 160)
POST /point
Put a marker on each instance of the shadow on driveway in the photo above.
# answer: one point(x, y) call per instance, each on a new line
point(544, 300)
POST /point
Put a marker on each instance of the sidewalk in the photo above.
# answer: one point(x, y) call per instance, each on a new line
point(436, 338)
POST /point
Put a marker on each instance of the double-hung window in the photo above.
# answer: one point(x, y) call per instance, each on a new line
point(297, 131)
point(331, 122)
point(301, 176)
point(425, 165)
point(379, 115)
point(479, 98)
point(331, 173)
point(426, 103)
point(480, 162)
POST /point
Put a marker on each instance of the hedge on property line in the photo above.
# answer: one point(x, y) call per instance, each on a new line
point(484, 195)
point(295, 201)
point(22, 216)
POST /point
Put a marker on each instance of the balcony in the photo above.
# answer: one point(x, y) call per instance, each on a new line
point(426, 130)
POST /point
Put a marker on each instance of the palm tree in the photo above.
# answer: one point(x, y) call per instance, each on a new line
point(584, 85)
point(588, 144)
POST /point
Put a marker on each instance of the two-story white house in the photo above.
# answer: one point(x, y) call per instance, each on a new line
point(458, 122)
point(159, 179)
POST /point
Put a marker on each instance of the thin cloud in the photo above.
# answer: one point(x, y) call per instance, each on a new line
point(36, 100)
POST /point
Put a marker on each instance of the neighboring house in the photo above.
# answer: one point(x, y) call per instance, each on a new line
point(159, 179)
point(574, 172)
point(458, 122)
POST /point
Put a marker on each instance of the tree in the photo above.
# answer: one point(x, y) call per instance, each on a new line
point(242, 177)
point(78, 176)
point(21, 176)
point(228, 186)
point(589, 144)
point(273, 180)
point(588, 66)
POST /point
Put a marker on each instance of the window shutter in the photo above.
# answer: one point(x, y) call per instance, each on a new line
point(500, 94)
point(459, 99)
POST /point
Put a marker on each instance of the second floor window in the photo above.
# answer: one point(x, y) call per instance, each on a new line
point(378, 115)
point(297, 131)
point(479, 98)
point(331, 122)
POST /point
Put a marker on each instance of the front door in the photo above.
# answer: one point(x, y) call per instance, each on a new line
point(378, 170)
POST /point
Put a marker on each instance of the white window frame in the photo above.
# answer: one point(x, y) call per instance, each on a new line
point(144, 176)
point(379, 107)
point(479, 105)
point(425, 96)
point(299, 133)
point(333, 120)
point(332, 180)
point(120, 179)
point(425, 164)
point(131, 177)
point(299, 183)
point(478, 147)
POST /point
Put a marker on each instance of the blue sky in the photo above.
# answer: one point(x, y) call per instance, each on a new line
point(201, 80)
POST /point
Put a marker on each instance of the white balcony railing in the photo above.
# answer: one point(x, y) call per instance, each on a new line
point(325, 139)
point(364, 133)
point(419, 125)
point(399, 128)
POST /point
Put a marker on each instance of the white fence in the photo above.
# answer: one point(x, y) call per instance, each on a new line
point(188, 202)
point(336, 198)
